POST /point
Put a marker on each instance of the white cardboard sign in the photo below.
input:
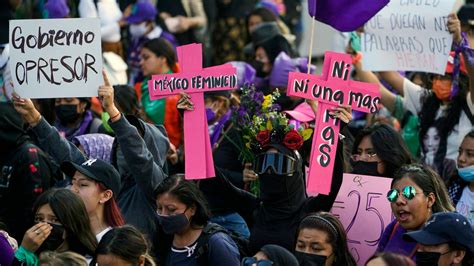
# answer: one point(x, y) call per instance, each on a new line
point(56, 58)
point(408, 35)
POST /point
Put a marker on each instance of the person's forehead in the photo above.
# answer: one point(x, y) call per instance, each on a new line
point(404, 182)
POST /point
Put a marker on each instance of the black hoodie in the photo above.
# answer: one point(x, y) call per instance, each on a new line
point(25, 172)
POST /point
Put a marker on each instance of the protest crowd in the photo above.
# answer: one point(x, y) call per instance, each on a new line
point(194, 132)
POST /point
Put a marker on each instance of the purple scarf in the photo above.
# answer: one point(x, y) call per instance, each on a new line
point(70, 133)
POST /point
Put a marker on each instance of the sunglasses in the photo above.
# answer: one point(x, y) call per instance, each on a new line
point(249, 261)
point(281, 164)
point(409, 192)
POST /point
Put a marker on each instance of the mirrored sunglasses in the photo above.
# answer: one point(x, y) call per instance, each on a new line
point(409, 192)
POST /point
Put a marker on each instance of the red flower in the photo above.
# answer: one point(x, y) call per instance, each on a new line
point(263, 137)
point(293, 140)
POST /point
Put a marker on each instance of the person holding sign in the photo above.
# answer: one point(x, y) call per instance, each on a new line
point(379, 151)
point(446, 111)
point(283, 200)
point(416, 193)
point(139, 153)
point(321, 240)
point(95, 181)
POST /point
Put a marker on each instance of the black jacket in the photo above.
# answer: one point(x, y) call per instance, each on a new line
point(25, 172)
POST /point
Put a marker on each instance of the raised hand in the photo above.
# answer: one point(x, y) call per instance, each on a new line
point(184, 102)
point(26, 109)
point(106, 96)
point(343, 113)
point(454, 27)
point(248, 173)
point(35, 236)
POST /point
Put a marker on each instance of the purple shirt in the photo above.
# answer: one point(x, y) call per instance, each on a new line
point(392, 241)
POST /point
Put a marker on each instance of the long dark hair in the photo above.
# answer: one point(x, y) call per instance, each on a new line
point(328, 223)
point(71, 212)
point(445, 124)
point(127, 243)
point(388, 145)
point(162, 47)
point(189, 194)
point(429, 181)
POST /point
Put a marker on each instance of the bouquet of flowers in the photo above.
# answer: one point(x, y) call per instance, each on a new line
point(261, 123)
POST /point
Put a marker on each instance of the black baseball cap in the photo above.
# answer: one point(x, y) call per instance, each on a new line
point(444, 227)
point(97, 170)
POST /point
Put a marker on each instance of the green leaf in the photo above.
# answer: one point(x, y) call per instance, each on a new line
point(306, 134)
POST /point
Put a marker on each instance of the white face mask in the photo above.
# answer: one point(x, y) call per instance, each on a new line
point(138, 30)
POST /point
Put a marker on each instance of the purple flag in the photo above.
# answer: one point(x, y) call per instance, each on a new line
point(345, 15)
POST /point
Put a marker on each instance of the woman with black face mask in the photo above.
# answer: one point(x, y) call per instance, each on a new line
point(184, 216)
point(445, 108)
point(321, 241)
point(73, 117)
point(61, 224)
point(379, 151)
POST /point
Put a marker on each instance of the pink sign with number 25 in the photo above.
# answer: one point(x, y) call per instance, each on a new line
point(362, 207)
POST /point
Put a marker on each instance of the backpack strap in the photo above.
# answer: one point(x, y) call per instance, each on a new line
point(202, 253)
point(393, 231)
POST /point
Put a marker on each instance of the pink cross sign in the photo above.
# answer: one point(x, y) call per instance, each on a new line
point(331, 89)
point(194, 80)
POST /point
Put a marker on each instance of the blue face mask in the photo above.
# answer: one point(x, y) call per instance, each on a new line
point(467, 173)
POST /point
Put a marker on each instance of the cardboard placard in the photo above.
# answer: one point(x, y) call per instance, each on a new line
point(408, 35)
point(362, 207)
point(331, 89)
point(194, 80)
point(56, 58)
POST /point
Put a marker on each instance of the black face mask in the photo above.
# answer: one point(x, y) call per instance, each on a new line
point(67, 113)
point(427, 258)
point(258, 69)
point(173, 224)
point(306, 259)
point(364, 168)
point(54, 240)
